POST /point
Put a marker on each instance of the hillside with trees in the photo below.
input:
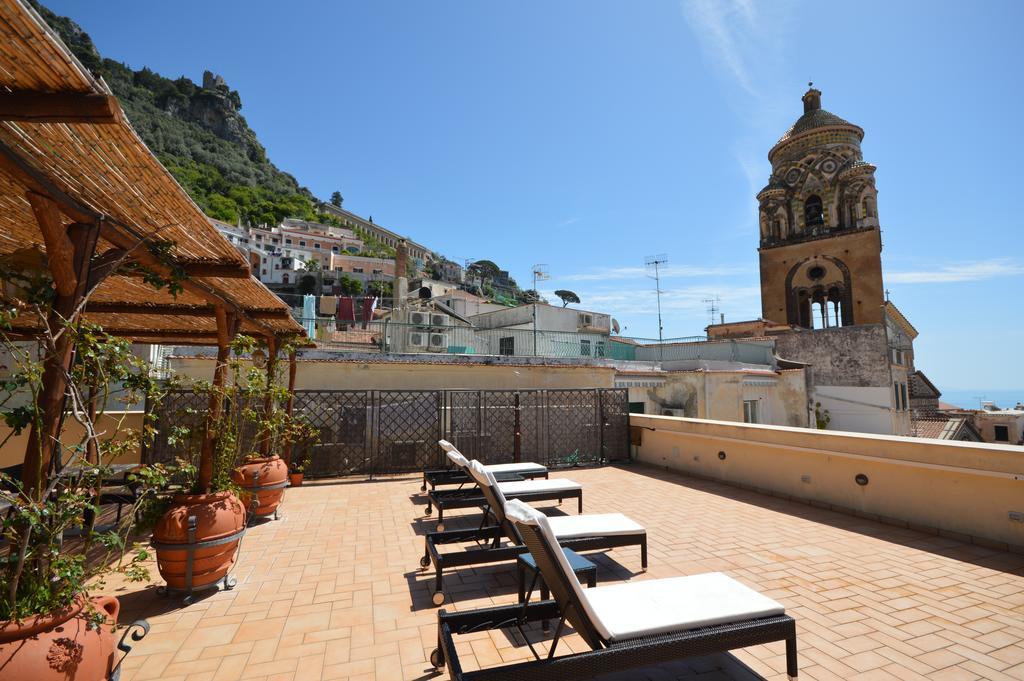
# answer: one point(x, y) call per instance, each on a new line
point(199, 134)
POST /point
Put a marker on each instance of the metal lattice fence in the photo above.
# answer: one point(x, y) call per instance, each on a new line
point(394, 431)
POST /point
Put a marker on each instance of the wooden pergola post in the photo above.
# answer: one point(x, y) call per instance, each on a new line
point(290, 404)
point(268, 400)
point(227, 328)
point(69, 252)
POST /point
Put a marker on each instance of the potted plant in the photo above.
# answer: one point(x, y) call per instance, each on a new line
point(297, 471)
point(54, 624)
point(263, 473)
point(204, 522)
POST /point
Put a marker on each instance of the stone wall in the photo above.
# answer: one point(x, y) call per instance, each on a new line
point(855, 356)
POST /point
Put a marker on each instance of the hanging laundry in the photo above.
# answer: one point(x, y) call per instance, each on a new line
point(368, 303)
point(309, 315)
point(346, 309)
point(329, 305)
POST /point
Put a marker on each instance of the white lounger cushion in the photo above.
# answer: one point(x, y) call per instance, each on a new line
point(513, 467)
point(660, 606)
point(656, 606)
point(596, 525)
point(527, 486)
point(459, 459)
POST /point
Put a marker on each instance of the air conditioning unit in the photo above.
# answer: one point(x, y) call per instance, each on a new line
point(585, 320)
point(437, 319)
point(418, 339)
point(419, 318)
point(438, 341)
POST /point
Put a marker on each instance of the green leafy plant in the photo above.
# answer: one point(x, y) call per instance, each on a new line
point(42, 570)
point(821, 416)
point(300, 465)
point(252, 422)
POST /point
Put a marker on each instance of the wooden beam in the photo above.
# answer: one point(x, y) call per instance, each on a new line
point(60, 253)
point(59, 107)
point(268, 400)
point(217, 269)
point(290, 405)
point(44, 437)
point(177, 309)
point(227, 328)
point(103, 266)
point(198, 270)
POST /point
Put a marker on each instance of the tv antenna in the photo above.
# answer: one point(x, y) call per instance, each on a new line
point(714, 305)
point(655, 262)
point(540, 273)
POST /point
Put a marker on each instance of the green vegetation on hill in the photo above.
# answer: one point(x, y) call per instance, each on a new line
point(197, 132)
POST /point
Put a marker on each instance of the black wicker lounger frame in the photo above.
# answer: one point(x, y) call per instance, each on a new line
point(449, 499)
point(457, 476)
point(493, 551)
point(605, 656)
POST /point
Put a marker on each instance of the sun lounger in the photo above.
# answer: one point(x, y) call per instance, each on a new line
point(456, 475)
point(579, 533)
point(468, 497)
point(627, 625)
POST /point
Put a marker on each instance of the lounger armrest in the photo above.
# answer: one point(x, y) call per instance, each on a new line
point(457, 536)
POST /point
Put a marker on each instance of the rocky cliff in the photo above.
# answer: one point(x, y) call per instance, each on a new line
point(198, 132)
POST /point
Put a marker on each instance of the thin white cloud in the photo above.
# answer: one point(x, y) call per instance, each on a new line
point(567, 222)
point(669, 272)
point(722, 27)
point(971, 271)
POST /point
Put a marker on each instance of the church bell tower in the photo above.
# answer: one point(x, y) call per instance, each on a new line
point(821, 246)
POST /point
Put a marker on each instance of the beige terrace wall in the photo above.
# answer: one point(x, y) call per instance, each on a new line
point(13, 450)
point(346, 375)
point(963, 489)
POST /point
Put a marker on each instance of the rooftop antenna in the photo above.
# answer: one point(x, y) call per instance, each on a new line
point(713, 307)
point(656, 261)
point(540, 272)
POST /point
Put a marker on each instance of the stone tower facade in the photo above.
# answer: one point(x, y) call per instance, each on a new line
point(820, 249)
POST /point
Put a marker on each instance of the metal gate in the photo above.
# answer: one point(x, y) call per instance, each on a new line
point(363, 432)
point(408, 428)
point(342, 446)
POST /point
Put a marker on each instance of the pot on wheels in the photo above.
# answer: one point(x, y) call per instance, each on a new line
point(63, 645)
point(263, 480)
point(216, 520)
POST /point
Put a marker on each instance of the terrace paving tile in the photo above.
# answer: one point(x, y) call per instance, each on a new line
point(333, 591)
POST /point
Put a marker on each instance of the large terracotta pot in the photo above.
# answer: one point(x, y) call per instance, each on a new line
point(273, 471)
point(61, 645)
point(217, 516)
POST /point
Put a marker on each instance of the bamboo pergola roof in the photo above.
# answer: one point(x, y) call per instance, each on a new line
point(63, 136)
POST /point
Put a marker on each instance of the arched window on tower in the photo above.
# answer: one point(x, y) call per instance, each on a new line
point(813, 213)
point(869, 207)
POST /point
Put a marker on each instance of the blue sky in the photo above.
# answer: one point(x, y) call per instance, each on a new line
point(587, 135)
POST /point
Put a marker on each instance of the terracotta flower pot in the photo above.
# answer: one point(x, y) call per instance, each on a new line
point(295, 479)
point(61, 645)
point(217, 516)
point(272, 471)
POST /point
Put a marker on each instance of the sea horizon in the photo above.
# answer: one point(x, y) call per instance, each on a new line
point(971, 398)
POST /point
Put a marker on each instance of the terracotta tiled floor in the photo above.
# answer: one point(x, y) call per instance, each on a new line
point(332, 591)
